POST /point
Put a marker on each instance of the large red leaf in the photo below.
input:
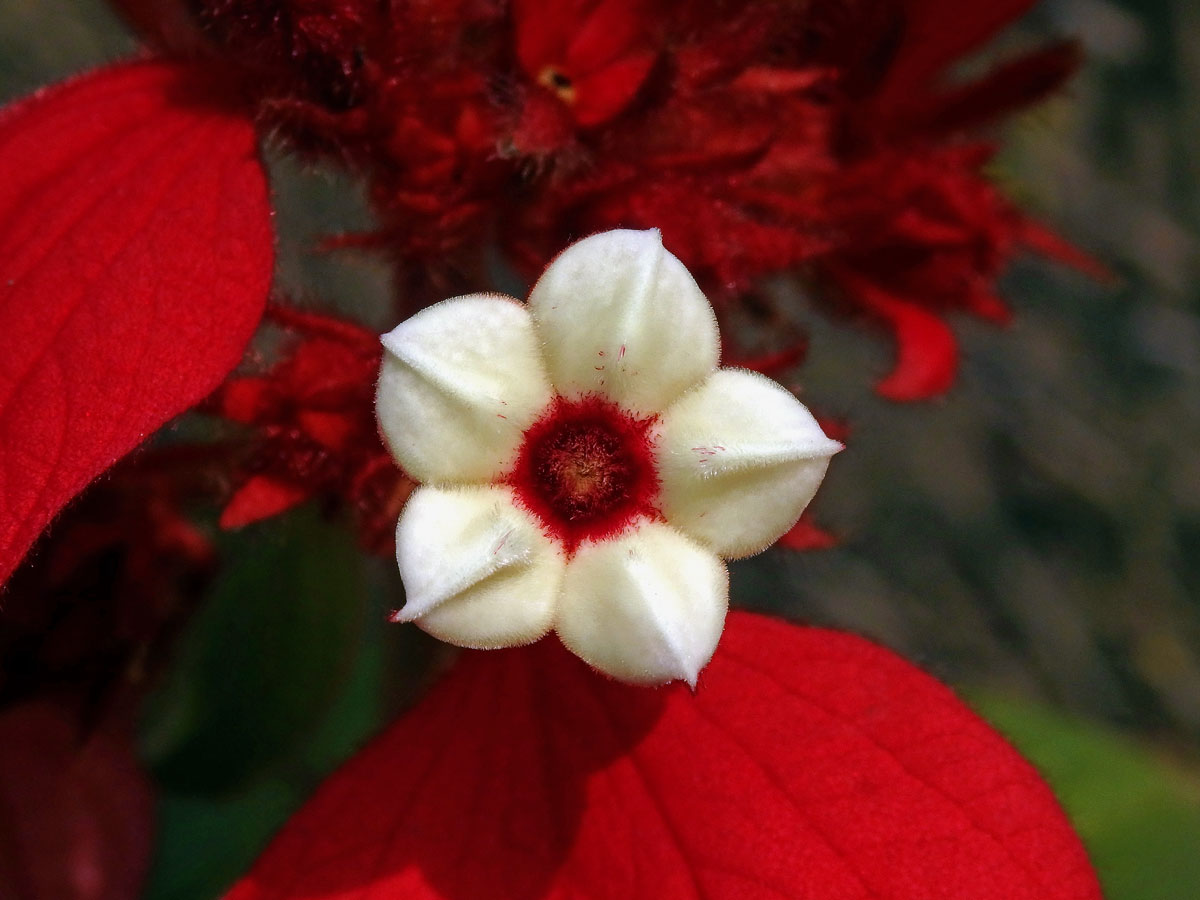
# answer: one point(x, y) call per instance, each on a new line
point(135, 258)
point(76, 812)
point(809, 764)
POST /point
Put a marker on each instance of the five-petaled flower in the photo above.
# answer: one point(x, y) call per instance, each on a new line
point(585, 463)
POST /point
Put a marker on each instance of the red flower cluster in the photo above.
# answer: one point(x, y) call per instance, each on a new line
point(315, 431)
point(759, 137)
point(763, 137)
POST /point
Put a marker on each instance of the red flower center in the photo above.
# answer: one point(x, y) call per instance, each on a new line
point(556, 80)
point(586, 470)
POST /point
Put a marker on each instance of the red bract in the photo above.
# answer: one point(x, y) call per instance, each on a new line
point(807, 535)
point(135, 257)
point(936, 33)
point(808, 764)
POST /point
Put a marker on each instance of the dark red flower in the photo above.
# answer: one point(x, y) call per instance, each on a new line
point(591, 55)
point(762, 137)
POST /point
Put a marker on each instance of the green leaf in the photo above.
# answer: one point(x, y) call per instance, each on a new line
point(1138, 815)
point(263, 661)
point(203, 844)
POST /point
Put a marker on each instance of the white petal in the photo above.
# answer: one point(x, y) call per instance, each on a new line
point(478, 571)
point(647, 607)
point(460, 382)
point(622, 317)
point(739, 458)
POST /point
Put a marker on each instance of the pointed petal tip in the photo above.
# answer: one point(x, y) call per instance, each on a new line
point(647, 609)
point(682, 665)
point(478, 571)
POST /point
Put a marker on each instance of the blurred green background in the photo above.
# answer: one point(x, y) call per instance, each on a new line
point(1033, 538)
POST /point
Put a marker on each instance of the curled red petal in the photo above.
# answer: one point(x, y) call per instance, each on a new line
point(926, 350)
point(809, 764)
point(76, 811)
point(135, 258)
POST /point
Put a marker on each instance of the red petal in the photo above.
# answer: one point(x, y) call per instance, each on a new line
point(611, 29)
point(1040, 239)
point(926, 351)
point(810, 764)
point(805, 535)
point(983, 302)
point(543, 30)
point(1010, 87)
point(939, 32)
point(76, 817)
point(603, 94)
point(771, 363)
point(135, 259)
point(260, 498)
point(245, 400)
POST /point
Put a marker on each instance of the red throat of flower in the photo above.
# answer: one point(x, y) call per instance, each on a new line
point(586, 470)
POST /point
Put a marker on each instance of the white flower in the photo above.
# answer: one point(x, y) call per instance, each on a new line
point(585, 465)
